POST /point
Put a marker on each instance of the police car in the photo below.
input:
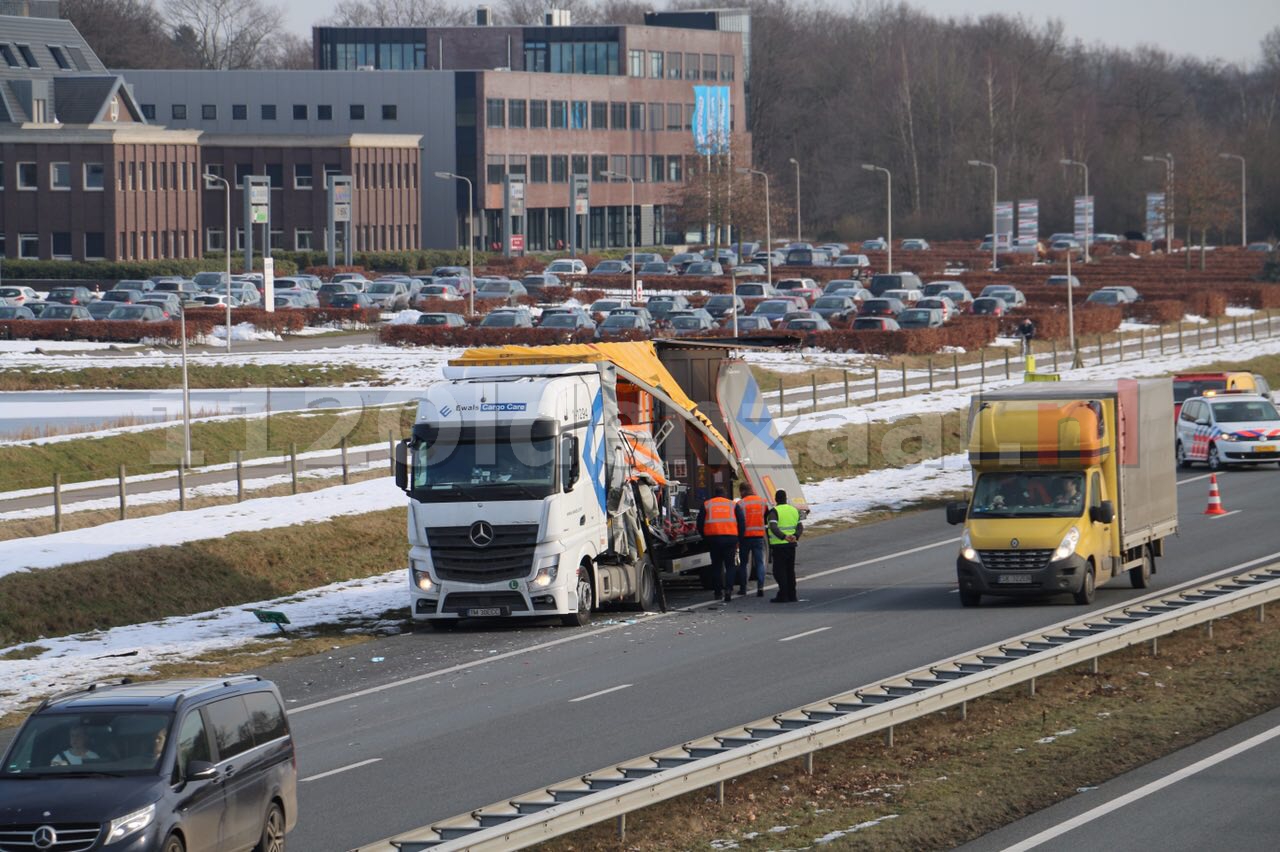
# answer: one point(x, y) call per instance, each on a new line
point(1226, 429)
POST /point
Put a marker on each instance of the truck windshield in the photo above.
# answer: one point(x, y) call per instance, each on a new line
point(503, 463)
point(1048, 494)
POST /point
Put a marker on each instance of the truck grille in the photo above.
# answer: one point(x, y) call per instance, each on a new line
point(508, 557)
point(461, 601)
point(1015, 560)
point(71, 837)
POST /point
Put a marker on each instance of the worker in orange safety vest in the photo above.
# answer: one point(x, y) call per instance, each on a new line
point(753, 509)
point(720, 526)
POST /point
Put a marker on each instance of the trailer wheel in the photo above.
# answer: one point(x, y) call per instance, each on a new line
point(1087, 588)
point(1140, 577)
point(586, 598)
point(968, 597)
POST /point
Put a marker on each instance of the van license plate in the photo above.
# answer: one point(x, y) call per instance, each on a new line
point(486, 611)
point(1015, 578)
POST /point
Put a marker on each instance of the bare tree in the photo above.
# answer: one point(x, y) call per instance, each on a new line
point(229, 34)
point(293, 52)
point(126, 33)
point(397, 13)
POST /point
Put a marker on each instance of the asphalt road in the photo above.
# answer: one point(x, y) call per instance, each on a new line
point(402, 731)
point(1217, 794)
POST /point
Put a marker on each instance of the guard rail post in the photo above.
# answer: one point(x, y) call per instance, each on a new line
point(123, 499)
point(982, 367)
point(346, 469)
point(1120, 346)
point(1162, 336)
point(182, 489)
point(1235, 329)
point(293, 467)
point(239, 476)
point(57, 502)
point(1180, 336)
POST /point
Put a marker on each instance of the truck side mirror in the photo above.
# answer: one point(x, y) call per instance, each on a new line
point(402, 465)
point(957, 512)
point(569, 462)
point(1104, 513)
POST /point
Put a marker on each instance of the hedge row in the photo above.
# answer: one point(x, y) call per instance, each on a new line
point(116, 270)
point(103, 331)
point(1051, 323)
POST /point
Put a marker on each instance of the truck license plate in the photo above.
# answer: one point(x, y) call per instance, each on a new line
point(486, 611)
point(1015, 578)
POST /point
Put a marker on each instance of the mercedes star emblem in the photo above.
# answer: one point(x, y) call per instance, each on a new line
point(482, 534)
point(44, 837)
point(1013, 542)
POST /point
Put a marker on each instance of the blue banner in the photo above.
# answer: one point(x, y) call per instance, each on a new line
point(711, 119)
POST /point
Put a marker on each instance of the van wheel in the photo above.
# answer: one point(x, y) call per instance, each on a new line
point(1214, 459)
point(586, 598)
point(1140, 577)
point(1181, 454)
point(1087, 588)
point(272, 839)
point(968, 597)
point(173, 843)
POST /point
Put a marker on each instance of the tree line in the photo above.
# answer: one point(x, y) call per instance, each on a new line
point(835, 85)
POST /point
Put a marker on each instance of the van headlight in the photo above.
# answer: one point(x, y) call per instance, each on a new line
point(122, 827)
point(545, 573)
point(1068, 545)
point(421, 576)
point(966, 548)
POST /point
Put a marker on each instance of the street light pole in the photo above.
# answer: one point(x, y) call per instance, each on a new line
point(471, 235)
point(796, 163)
point(211, 181)
point(1244, 228)
point(1167, 159)
point(888, 187)
point(1088, 219)
point(995, 194)
point(186, 387)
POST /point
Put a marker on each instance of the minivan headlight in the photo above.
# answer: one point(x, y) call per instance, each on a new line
point(1068, 545)
point(122, 827)
point(966, 548)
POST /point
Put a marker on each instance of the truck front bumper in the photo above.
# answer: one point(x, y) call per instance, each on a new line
point(1066, 575)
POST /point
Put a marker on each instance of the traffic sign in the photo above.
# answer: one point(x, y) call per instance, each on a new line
point(517, 242)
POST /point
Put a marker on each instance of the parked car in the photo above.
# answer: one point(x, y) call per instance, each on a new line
point(805, 287)
point(288, 300)
point(835, 307)
point(754, 290)
point(776, 309)
point(920, 318)
point(508, 319)
point(1011, 295)
point(167, 302)
point(616, 324)
point(16, 312)
point(1260, 246)
point(333, 288)
point(606, 306)
point(209, 280)
point(304, 296)
point(642, 257)
point(567, 321)
point(100, 309)
point(907, 297)
point(914, 244)
point(1061, 281)
point(442, 318)
point(660, 305)
point(1104, 238)
point(250, 295)
point(753, 323)
point(1107, 297)
point(875, 245)
point(70, 295)
point(355, 279)
point(938, 303)
point(1129, 293)
point(805, 323)
point(991, 306)
point(765, 258)
point(856, 264)
point(565, 309)
point(19, 295)
point(177, 285)
point(806, 257)
point(881, 307)
point(216, 300)
point(748, 270)
point(655, 268)
point(197, 764)
point(684, 258)
point(389, 295)
point(959, 296)
point(1068, 245)
point(60, 311)
point(691, 312)
point(875, 324)
point(726, 257)
point(894, 281)
point(704, 267)
point(446, 292)
point(536, 284)
point(690, 324)
point(724, 305)
point(567, 267)
point(349, 301)
point(634, 310)
point(933, 288)
point(612, 267)
point(122, 297)
point(37, 308)
point(138, 313)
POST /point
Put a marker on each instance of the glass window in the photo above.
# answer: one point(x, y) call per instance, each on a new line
point(302, 177)
point(637, 167)
point(657, 169)
point(28, 56)
point(301, 240)
point(688, 116)
point(95, 245)
point(673, 170)
point(10, 58)
point(656, 112)
point(709, 71)
point(618, 116)
point(268, 112)
point(655, 64)
point(726, 67)
point(635, 63)
point(149, 112)
point(637, 116)
point(538, 168)
point(495, 112)
point(299, 112)
point(324, 112)
point(537, 113)
point(215, 240)
point(674, 117)
point(357, 112)
point(232, 731)
point(599, 115)
point(516, 112)
point(559, 168)
point(579, 163)
point(275, 173)
point(599, 165)
point(674, 64)
point(61, 244)
point(59, 57)
point(193, 742)
point(692, 62)
point(242, 171)
point(517, 166)
point(389, 112)
point(60, 175)
point(495, 167)
point(559, 114)
point(578, 115)
point(266, 717)
point(28, 176)
point(209, 112)
point(94, 176)
point(239, 112)
point(214, 169)
point(618, 165)
point(179, 112)
point(29, 246)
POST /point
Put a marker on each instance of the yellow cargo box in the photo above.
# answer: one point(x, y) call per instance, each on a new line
point(1032, 433)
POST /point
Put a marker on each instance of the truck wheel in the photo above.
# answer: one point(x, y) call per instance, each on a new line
point(582, 617)
point(968, 597)
point(1214, 459)
point(1087, 588)
point(1140, 577)
point(1181, 454)
point(647, 594)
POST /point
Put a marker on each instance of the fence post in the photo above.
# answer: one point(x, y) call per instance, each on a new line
point(346, 469)
point(982, 367)
point(904, 378)
point(1120, 346)
point(57, 502)
point(814, 382)
point(1142, 343)
point(1101, 353)
point(239, 476)
point(930, 372)
point(955, 370)
point(293, 466)
point(1217, 331)
point(1006, 363)
point(782, 409)
point(1180, 336)
point(1054, 343)
point(1162, 336)
point(875, 383)
point(846, 388)
point(123, 499)
point(391, 449)
point(182, 489)
point(1235, 329)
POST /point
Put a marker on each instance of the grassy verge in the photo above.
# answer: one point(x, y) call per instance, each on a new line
point(946, 781)
point(198, 376)
point(213, 442)
point(859, 447)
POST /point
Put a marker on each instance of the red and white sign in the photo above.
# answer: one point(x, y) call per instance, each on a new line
point(517, 242)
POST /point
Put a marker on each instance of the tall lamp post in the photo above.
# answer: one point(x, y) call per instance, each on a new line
point(186, 387)
point(795, 163)
point(211, 182)
point(635, 297)
point(1167, 159)
point(1244, 228)
point(995, 193)
point(1087, 221)
point(768, 225)
point(888, 186)
point(471, 235)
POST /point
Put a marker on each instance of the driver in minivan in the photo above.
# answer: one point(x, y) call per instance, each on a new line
point(79, 750)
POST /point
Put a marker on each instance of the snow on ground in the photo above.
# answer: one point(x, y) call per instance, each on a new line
point(243, 331)
point(807, 359)
point(68, 346)
point(409, 317)
point(173, 528)
point(845, 498)
point(1130, 325)
point(1194, 318)
point(1233, 311)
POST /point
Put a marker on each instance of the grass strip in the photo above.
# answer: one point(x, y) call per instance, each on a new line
point(198, 376)
point(860, 447)
point(946, 781)
point(212, 442)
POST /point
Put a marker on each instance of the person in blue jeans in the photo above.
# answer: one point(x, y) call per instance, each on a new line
point(752, 510)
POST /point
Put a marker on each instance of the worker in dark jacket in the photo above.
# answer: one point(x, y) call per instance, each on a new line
point(785, 530)
point(721, 525)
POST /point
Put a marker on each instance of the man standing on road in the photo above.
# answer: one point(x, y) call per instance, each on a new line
point(785, 530)
point(719, 526)
point(751, 547)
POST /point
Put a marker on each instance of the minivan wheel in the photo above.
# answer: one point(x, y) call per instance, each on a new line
point(1181, 453)
point(1215, 460)
point(173, 843)
point(272, 839)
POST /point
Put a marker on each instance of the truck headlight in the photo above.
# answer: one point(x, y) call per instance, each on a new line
point(122, 827)
point(421, 576)
point(1068, 545)
point(546, 571)
point(966, 548)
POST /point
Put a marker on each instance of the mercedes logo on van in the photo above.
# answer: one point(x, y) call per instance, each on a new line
point(44, 837)
point(1013, 542)
point(482, 534)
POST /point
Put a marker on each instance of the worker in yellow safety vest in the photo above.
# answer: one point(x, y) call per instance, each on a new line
point(785, 530)
point(720, 527)
point(753, 508)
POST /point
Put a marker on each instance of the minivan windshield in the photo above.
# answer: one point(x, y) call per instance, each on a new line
point(1039, 494)
point(1244, 411)
point(1184, 390)
point(95, 742)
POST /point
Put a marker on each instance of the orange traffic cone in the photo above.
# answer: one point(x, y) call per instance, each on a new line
point(1215, 500)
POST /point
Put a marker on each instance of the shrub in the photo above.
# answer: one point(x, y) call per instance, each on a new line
point(1159, 311)
point(106, 331)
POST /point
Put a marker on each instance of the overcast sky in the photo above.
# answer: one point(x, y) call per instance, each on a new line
point(1230, 30)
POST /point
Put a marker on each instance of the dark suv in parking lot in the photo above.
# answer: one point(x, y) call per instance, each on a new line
point(174, 766)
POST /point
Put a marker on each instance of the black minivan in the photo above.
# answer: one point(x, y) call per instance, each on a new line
point(171, 766)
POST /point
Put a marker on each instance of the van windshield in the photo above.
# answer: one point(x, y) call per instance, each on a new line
point(484, 463)
point(1041, 494)
point(1184, 390)
point(97, 743)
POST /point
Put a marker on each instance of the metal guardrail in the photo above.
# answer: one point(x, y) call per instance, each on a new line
point(634, 784)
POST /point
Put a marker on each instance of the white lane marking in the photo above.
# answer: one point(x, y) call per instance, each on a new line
point(339, 769)
point(1142, 792)
point(1229, 514)
point(806, 633)
point(598, 694)
point(1194, 478)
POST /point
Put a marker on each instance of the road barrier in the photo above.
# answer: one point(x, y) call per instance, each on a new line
point(615, 791)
